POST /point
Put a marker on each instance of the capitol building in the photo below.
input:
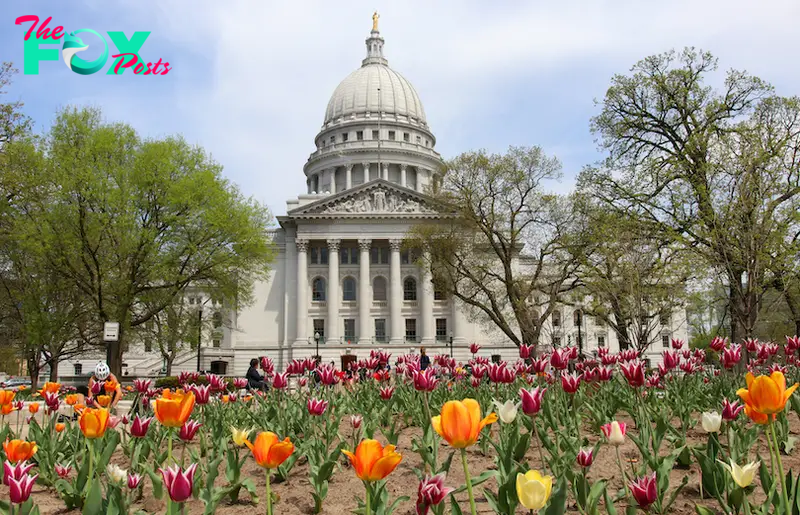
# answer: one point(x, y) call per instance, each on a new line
point(341, 279)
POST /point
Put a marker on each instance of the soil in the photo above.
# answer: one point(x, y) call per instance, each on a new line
point(294, 495)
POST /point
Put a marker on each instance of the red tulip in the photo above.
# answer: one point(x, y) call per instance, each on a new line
point(731, 410)
point(52, 401)
point(140, 426)
point(525, 351)
point(215, 382)
point(499, 373)
point(475, 382)
point(133, 481)
point(142, 385)
point(355, 421)
point(671, 359)
point(11, 471)
point(302, 382)
point(676, 344)
point(570, 382)
point(239, 383)
point(560, 359)
point(97, 387)
point(62, 471)
point(604, 374)
point(731, 356)
point(532, 400)
point(634, 373)
point(387, 392)
point(20, 489)
point(688, 367)
point(792, 344)
point(327, 375)
point(179, 482)
point(316, 407)
point(280, 381)
point(585, 457)
point(425, 381)
point(645, 490)
point(474, 348)
point(268, 366)
point(188, 430)
point(202, 393)
point(431, 492)
point(718, 343)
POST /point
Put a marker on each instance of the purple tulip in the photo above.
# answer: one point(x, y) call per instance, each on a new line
point(178, 482)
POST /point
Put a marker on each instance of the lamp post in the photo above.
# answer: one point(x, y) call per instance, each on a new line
point(199, 334)
point(316, 338)
point(451, 344)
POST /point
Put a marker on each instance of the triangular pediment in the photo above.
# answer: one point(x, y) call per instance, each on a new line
point(375, 198)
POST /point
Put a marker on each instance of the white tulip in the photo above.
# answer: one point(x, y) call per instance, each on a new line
point(743, 476)
point(711, 421)
point(507, 411)
point(116, 473)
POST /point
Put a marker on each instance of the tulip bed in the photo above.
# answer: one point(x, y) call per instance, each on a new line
point(703, 433)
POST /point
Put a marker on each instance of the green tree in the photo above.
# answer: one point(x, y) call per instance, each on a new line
point(714, 171)
point(503, 246)
point(125, 220)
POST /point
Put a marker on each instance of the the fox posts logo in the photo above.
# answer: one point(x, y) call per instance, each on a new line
point(38, 47)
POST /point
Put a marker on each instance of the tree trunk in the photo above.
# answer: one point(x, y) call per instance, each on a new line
point(54, 370)
point(169, 359)
point(114, 354)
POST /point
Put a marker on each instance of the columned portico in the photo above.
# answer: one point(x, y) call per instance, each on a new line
point(302, 289)
point(334, 297)
point(403, 175)
point(364, 297)
point(397, 334)
point(348, 177)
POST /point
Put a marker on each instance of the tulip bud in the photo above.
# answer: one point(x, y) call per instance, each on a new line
point(585, 457)
point(645, 490)
point(178, 482)
point(62, 471)
point(133, 481)
point(507, 411)
point(355, 421)
point(614, 432)
point(711, 421)
point(116, 473)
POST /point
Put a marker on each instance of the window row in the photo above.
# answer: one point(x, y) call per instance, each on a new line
point(319, 292)
point(392, 136)
point(380, 329)
point(349, 256)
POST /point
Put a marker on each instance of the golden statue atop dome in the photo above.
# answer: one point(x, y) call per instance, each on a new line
point(375, 17)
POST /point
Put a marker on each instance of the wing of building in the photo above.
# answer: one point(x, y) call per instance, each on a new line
point(341, 280)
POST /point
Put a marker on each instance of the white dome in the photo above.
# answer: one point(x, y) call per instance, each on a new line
point(358, 94)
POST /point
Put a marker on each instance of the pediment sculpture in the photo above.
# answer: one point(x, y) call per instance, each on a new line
point(377, 201)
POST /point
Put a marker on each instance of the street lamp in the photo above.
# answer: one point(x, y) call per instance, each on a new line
point(316, 338)
point(451, 344)
point(199, 334)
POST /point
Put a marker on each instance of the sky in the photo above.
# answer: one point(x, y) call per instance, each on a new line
point(251, 79)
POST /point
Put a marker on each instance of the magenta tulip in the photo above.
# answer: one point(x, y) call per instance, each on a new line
point(585, 457)
point(11, 471)
point(133, 481)
point(179, 482)
point(474, 348)
point(316, 407)
point(140, 426)
point(525, 351)
point(20, 489)
point(431, 492)
point(425, 381)
point(532, 400)
point(280, 381)
point(387, 392)
point(62, 471)
point(570, 382)
point(202, 393)
point(142, 385)
point(731, 410)
point(634, 373)
point(645, 490)
point(188, 430)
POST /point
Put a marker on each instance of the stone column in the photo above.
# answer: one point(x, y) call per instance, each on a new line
point(426, 306)
point(385, 174)
point(348, 178)
point(334, 297)
point(459, 325)
point(397, 334)
point(403, 176)
point(365, 164)
point(422, 175)
point(332, 173)
point(364, 293)
point(302, 289)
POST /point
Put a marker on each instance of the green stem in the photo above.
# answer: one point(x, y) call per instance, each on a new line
point(746, 503)
point(771, 454)
point(367, 506)
point(622, 471)
point(169, 446)
point(784, 494)
point(269, 496)
point(469, 482)
point(90, 477)
point(538, 443)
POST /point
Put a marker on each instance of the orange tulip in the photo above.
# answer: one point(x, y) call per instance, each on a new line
point(766, 395)
point(22, 388)
point(104, 400)
point(71, 399)
point(94, 422)
point(225, 399)
point(268, 451)
point(50, 388)
point(19, 450)
point(7, 396)
point(33, 408)
point(460, 422)
point(373, 462)
point(173, 409)
point(60, 427)
point(6, 409)
point(79, 408)
point(110, 386)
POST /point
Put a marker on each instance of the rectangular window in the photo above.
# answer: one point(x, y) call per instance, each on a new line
point(391, 135)
point(438, 293)
point(406, 136)
point(148, 346)
point(441, 329)
point(404, 257)
point(349, 256)
point(379, 255)
point(314, 257)
point(411, 329)
point(333, 140)
point(665, 341)
point(419, 140)
point(601, 341)
point(349, 329)
point(216, 343)
point(345, 136)
point(319, 329)
point(323, 255)
point(426, 143)
point(359, 135)
point(78, 369)
point(556, 318)
point(349, 289)
point(380, 329)
point(375, 135)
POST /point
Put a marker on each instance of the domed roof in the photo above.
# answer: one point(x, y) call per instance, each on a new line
point(375, 88)
point(358, 93)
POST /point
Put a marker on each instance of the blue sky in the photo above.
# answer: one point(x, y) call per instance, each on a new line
point(251, 78)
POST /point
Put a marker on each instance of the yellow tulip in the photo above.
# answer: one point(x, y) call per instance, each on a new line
point(372, 461)
point(104, 400)
point(460, 423)
point(743, 476)
point(94, 422)
point(533, 489)
point(239, 436)
point(766, 394)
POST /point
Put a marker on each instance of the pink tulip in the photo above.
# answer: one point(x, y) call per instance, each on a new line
point(645, 490)
point(654, 381)
point(632, 354)
point(268, 366)
point(62, 471)
point(142, 385)
point(355, 421)
point(202, 393)
point(280, 381)
point(316, 407)
point(539, 366)
point(792, 344)
point(52, 401)
point(475, 382)
point(731, 356)
point(474, 348)
point(215, 382)
point(239, 383)
point(570, 382)
point(731, 410)
point(499, 373)
point(560, 359)
point(425, 381)
point(605, 374)
point(188, 430)
point(677, 344)
point(302, 382)
point(133, 481)
point(525, 351)
point(688, 367)
point(585, 457)
point(179, 482)
point(20, 489)
point(478, 371)
point(671, 359)
point(97, 387)
point(11, 471)
point(431, 492)
point(634, 373)
point(718, 343)
point(532, 400)
point(140, 426)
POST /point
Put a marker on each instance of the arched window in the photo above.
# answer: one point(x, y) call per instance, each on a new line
point(556, 318)
point(379, 288)
point(318, 290)
point(410, 289)
point(349, 289)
